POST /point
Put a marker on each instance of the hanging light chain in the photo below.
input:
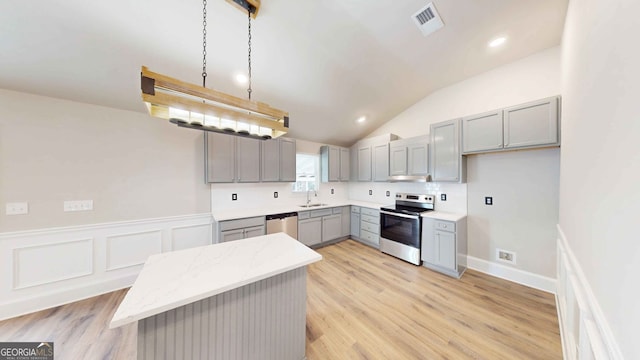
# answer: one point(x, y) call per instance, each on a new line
point(249, 58)
point(204, 43)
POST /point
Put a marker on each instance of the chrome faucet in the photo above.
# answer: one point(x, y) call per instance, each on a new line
point(308, 198)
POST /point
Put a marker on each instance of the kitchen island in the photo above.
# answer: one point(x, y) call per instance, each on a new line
point(243, 299)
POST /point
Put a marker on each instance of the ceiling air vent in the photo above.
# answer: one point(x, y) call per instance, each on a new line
point(428, 20)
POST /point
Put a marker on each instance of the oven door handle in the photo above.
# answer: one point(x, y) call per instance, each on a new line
point(414, 217)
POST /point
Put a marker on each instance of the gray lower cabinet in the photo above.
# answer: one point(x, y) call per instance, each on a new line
point(355, 222)
point(331, 227)
point(237, 229)
point(345, 212)
point(447, 162)
point(530, 125)
point(370, 226)
point(322, 225)
point(310, 231)
point(444, 246)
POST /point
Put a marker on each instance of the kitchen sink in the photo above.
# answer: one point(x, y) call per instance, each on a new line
point(312, 205)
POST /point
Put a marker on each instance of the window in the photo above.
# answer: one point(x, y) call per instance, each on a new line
point(307, 170)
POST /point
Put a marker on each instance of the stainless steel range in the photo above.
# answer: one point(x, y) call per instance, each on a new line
point(401, 226)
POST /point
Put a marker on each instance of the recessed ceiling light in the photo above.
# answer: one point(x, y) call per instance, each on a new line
point(242, 79)
point(361, 119)
point(497, 41)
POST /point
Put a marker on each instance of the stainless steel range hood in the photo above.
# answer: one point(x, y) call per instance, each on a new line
point(410, 178)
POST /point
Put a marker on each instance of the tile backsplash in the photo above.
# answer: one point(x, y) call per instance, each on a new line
point(261, 194)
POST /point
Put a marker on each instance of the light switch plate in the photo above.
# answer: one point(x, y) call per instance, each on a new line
point(488, 200)
point(332, 191)
point(388, 193)
point(234, 197)
point(17, 208)
point(443, 197)
point(370, 192)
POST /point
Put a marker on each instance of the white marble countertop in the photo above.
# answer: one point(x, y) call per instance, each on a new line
point(444, 215)
point(178, 278)
point(232, 214)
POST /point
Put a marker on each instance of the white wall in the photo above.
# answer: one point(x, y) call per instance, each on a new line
point(131, 165)
point(507, 176)
point(600, 171)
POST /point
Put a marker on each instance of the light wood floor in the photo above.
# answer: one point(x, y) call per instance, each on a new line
point(362, 304)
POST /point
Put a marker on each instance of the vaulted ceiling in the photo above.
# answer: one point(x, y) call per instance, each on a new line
point(327, 62)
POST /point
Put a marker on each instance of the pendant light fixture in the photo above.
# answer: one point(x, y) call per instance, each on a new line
point(197, 107)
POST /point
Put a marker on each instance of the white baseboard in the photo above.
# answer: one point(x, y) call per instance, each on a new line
point(44, 268)
point(585, 331)
point(512, 274)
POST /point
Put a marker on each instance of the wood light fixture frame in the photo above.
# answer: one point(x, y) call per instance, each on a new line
point(197, 107)
point(195, 104)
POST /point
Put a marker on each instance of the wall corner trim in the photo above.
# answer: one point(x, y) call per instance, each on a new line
point(512, 274)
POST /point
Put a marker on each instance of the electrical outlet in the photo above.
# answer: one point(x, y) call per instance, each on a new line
point(488, 200)
point(388, 193)
point(275, 194)
point(443, 197)
point(332, 191)
point(370, 192)
point(17, 208)
point(234, 197)
point(506, 256)
point(78, 205)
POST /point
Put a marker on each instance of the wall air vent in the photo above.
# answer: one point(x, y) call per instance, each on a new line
point(428, 20)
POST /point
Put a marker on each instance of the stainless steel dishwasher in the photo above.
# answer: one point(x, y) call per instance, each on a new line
point(285, 222)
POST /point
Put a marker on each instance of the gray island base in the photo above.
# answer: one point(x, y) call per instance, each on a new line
point(253, 308)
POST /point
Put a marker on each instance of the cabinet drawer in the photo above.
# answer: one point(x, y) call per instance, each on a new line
point(373, 228)
point(337, 210)
point(370, 237)
point(370, 212)
point(321, 212)
point(355, 209)
point(445, 226)
point(370, 219)
point(303, 215)
point(241, 223)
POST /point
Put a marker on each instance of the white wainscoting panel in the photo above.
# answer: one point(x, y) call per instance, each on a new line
point(185, 237)
point(132, 249)
point(584, 330)
point(47, 263)
point(44, 268)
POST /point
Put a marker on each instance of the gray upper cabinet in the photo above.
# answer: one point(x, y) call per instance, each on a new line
point(418, 158)
point(220, 157)
point(345, 166)
point(370, 158)
point(287, 160)
point(278, 160)
point(271, 160)
point(380, 162)
point(447, 163)
point(334, 164)
point(482, 132)
point(364, 163)
point(397, 159)
point(409, 156)
point(532, 124)
point(248, 159)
